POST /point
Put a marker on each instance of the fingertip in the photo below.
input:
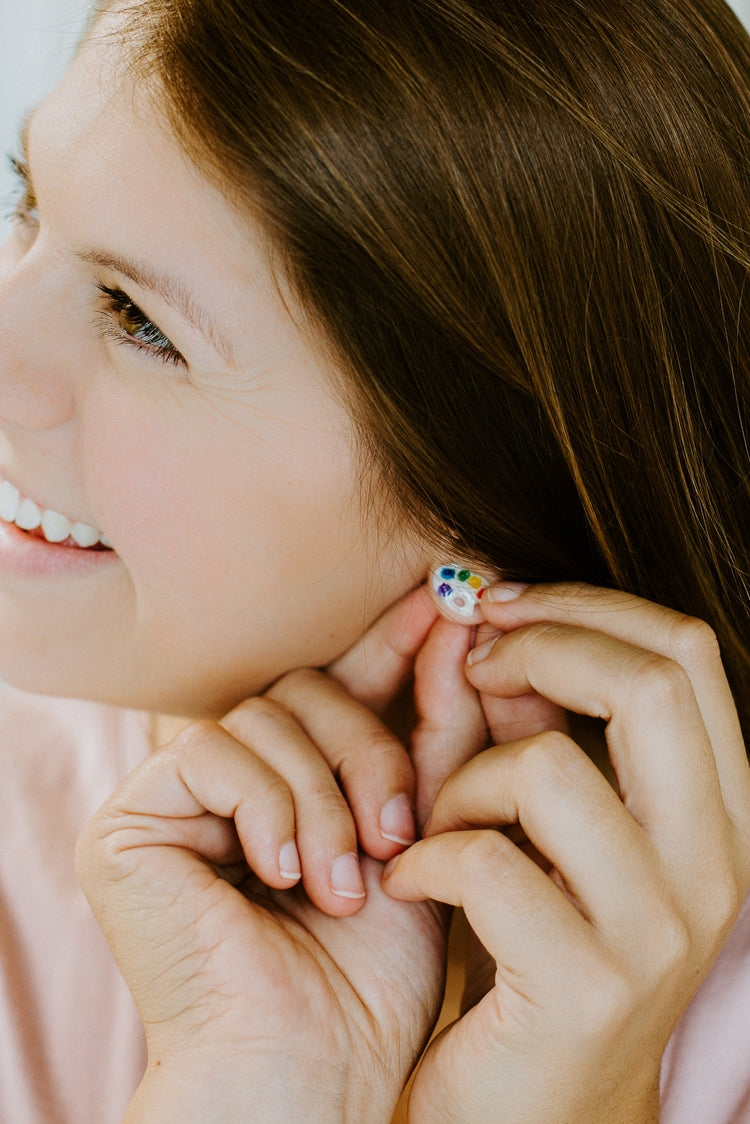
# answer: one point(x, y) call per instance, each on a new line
point(480, 652)
point(502, 606)
point(290, 867)
point(397, 821)
point(335, 887)
point(346, 878)
point(389, 868)
point(503, 592)
point(397, 882)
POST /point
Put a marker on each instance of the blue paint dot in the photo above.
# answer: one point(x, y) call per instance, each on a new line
point(444, 590)
point(447, 572)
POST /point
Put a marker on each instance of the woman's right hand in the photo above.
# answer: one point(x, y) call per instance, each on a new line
point(603, 923)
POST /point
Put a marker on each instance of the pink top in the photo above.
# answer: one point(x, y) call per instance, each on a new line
point(71, 1047)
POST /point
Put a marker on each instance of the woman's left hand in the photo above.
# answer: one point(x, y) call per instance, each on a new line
point(602, 929)
point(256, 1004)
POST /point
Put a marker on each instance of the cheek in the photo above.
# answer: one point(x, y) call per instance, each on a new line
point(183, 502)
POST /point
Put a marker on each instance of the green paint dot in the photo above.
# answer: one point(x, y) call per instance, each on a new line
point(464, 575)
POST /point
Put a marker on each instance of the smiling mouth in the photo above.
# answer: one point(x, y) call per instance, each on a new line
point(43, 523)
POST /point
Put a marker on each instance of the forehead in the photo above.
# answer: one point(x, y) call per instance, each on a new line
point(107, 135)
point(111, 175)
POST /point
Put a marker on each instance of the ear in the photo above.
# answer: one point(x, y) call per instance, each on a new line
point(457, 589)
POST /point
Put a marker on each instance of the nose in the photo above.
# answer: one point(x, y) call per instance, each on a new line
point(36, 391)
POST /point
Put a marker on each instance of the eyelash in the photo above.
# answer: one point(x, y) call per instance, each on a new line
point(115, 302)
point(152, 341)
point(22, 199)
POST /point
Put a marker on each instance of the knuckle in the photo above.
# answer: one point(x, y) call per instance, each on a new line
point(329, 803)
point(658, 682)
point(673, 946)
point(481, 856)
point(723, 899)
point(694, 643)
point(380, 743)
point(255, 713)
point(298, 680)
point(193, 738)
point(547, 757)
point(276, 793)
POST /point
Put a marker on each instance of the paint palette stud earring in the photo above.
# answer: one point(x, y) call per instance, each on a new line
point(457, 591)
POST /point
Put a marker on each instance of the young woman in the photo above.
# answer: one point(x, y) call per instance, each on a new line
point(305, 304)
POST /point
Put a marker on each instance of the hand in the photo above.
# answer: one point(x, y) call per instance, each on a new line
point(253, 1000)
point(604, 934)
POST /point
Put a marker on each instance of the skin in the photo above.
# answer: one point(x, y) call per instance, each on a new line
point(250, 992)
point(211, 478)
point(592, 963)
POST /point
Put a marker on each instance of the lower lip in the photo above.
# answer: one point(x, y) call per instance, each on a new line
point(25, 554)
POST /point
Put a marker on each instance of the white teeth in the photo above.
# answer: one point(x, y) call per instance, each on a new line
point(56, 528)
point(29, 516)
point(10, 501)
point(84, 535)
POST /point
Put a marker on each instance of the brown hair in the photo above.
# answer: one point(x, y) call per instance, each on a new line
point(524, 225)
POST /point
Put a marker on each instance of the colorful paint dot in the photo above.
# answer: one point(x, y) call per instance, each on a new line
point(444, 590)
point(447, 572)
point(480, 593)
point(464, 575)
point(475, 582)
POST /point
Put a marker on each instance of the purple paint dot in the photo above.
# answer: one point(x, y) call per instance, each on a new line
point(444, 590)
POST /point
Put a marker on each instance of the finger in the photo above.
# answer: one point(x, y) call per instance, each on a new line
point(657, 741)
point(325, 832)
point(508, 720)
point(536, 936)
point(379, 664)
point(571, 815)
point(209, 794)
point(683, 639)
point(451, 726)
point(512, 719)
point(374, 769)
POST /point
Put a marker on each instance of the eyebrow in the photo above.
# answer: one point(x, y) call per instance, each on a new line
point(172, 291)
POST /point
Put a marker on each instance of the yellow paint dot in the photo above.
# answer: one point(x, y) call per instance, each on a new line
point(475, 582)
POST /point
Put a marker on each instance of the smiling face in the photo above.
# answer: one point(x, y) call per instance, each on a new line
point(156, 391)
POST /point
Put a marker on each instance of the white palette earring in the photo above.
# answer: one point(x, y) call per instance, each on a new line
point(457, 591)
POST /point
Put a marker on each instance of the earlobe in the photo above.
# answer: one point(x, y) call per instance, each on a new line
point(457, 590)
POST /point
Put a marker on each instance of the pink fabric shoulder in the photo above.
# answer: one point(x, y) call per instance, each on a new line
point(71, 1045)
point(706, 1069)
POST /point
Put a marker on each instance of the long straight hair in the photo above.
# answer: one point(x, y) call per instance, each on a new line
point(524, 228)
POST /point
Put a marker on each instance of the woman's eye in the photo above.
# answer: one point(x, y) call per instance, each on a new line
point(24, 205)
point(121, 320)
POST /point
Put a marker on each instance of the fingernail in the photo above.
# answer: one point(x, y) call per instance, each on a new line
point(289, 864)
point(505, 591)
point(480, 652)
point(397, 820)
point(346, 877)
